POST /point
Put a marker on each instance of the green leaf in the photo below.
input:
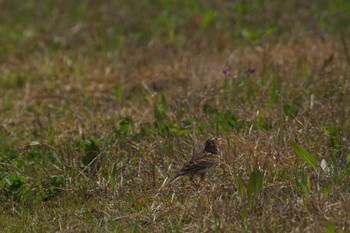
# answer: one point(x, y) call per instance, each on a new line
point(262, 124)
point(207, 19)
point(308, 158)
point(7, 105)
point(227, 120)
point(186, 127)
point(209, 110)
point(92, 149)
point(159, 115)
point(55, 183)
point(14, 182)
point(248, 34)
point(255, 184)
point(270, 30)
point(118, 92)
point(240, 186)
point(173, 127)
point(125, 125)
point(290, 110)
point(330, 228)
point(326, 189)
point(160, 109)
point(163, 103)
point(335, 135)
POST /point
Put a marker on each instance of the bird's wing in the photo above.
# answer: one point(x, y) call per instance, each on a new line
point(195, 165)
point(198, 156)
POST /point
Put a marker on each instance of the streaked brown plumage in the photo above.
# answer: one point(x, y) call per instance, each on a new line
point(203, 162)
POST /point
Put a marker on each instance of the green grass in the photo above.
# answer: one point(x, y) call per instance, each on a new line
point(103, 101)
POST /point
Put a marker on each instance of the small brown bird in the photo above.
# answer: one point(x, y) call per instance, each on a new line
point(203, 162)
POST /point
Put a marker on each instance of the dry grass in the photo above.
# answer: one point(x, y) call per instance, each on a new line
point(90, 137)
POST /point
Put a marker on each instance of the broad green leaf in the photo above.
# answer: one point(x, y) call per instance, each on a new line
point(255, 184)
point(308, 158)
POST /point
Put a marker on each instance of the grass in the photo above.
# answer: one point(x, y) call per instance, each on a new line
point(102, 102)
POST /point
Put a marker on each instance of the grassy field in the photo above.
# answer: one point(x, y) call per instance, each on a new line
point(101, 103)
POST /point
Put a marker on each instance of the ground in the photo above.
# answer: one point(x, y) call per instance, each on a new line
point(102, 102)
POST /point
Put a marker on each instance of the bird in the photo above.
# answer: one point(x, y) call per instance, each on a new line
point(203, 162)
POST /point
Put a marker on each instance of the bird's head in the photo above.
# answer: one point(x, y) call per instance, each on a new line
point(212, 145)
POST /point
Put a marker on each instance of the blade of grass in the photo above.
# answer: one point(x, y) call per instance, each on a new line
point(307, 157)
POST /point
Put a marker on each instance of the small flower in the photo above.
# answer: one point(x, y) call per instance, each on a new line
point(226, 72)
point(251, 70)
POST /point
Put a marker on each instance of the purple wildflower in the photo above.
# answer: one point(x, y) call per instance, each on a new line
point(251, 70)
point(226, 72)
